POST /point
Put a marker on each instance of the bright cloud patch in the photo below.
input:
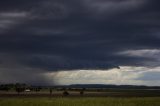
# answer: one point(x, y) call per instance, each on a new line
point(124, 75)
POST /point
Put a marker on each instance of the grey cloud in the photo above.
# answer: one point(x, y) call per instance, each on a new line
point(57, 35)
point(112, 7)
point(23, 75)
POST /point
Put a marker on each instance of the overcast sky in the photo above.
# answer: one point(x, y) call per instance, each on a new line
point(80, 41)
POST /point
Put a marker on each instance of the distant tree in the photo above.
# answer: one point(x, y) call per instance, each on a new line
point(65, 93)
point(82, 91)
point(64, 89)
point(4, 87)
point(20, 89)
point(50, 90)
point(37, 89)
point(69, 89)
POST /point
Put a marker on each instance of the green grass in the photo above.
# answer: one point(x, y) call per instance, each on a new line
point(87, 101)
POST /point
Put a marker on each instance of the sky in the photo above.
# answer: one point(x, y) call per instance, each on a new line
point(56, 42)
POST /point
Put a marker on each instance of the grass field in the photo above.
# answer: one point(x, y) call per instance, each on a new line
point(81, 101)
point(89, 98)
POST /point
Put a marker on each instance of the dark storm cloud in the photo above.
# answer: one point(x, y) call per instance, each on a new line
point(54, 35)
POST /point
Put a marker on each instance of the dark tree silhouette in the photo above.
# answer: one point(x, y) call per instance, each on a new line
point(82, 91)
point(20, 89)
point(65, 93)
point(50, 91)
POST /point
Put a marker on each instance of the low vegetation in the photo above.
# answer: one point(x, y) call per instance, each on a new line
point(80, 101)
point(24, 95)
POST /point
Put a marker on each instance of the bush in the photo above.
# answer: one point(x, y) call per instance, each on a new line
point(65, 93)
point(81, 92)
